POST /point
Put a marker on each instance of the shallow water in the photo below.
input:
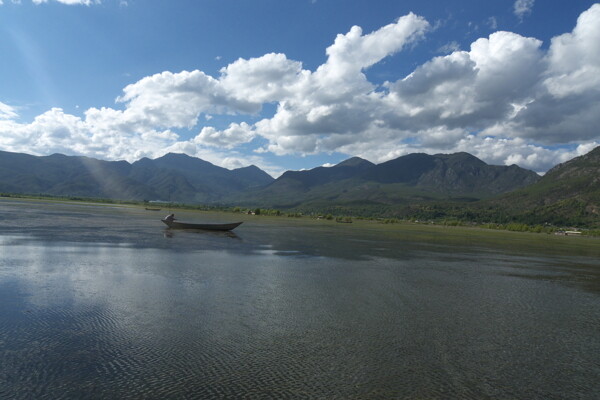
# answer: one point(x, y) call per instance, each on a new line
point(104, 302)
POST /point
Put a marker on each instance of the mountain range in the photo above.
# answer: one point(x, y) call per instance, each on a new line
point(173, 177)
point(414, 177)
point(354, 184)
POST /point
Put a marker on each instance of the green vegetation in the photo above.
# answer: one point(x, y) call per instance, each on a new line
point(173, 177)
point(450, 190)
point(430, 214)
point(68, 198)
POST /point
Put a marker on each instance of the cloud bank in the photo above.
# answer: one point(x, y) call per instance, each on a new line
point(505, 100)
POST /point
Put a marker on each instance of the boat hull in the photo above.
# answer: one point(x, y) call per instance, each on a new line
point(204, 227)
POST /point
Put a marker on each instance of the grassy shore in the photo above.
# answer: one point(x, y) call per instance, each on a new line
point(450, 231)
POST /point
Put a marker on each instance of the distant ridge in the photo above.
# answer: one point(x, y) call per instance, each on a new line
point(173, 177)
point(413, 177)
point(456, 185)
point(322, 175)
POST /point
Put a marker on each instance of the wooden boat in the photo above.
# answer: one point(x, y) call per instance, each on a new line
point(207, 227)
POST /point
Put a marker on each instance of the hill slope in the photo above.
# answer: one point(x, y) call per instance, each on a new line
point(417, 185)
point(567, 194)
point(173, 177)
point(410, 178)
point(179, 177)
point(69, 176)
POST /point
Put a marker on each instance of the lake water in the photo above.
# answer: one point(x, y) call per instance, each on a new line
point(104, 302)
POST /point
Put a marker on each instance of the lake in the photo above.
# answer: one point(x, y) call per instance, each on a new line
point(100, 301)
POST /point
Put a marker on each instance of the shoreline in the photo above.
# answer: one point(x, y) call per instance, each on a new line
point(400, 232)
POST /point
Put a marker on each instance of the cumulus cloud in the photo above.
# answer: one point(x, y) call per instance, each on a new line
point(337, 98)
point(469, 89)
point(175, 99)
point(564, 106)
point(266, 79)
point(506, 100)
point(229, 138)
point(574, 58)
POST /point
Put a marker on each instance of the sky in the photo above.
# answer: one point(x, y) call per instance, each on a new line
point(295, 84)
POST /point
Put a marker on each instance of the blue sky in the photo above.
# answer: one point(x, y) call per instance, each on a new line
point(297, 84)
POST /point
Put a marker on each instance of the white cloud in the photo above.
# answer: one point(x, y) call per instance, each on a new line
point(354, 51)
point(564, 107)
point(449, 47)
point(58, 132)
point(7, 112)
point(503, 100)
point(173, 99)
point(70, 2)
point(574, 58)
point(266, 79)
point(523, 8)
point(519, 151)
point(229, 138)
point(337, 98)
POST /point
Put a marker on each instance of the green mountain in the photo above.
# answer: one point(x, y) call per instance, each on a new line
point(68, 176)
point(568, 194)
point(182, 178)
point(407, 179)
point(173, 177)
point(422, 186)
point(323, 175)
